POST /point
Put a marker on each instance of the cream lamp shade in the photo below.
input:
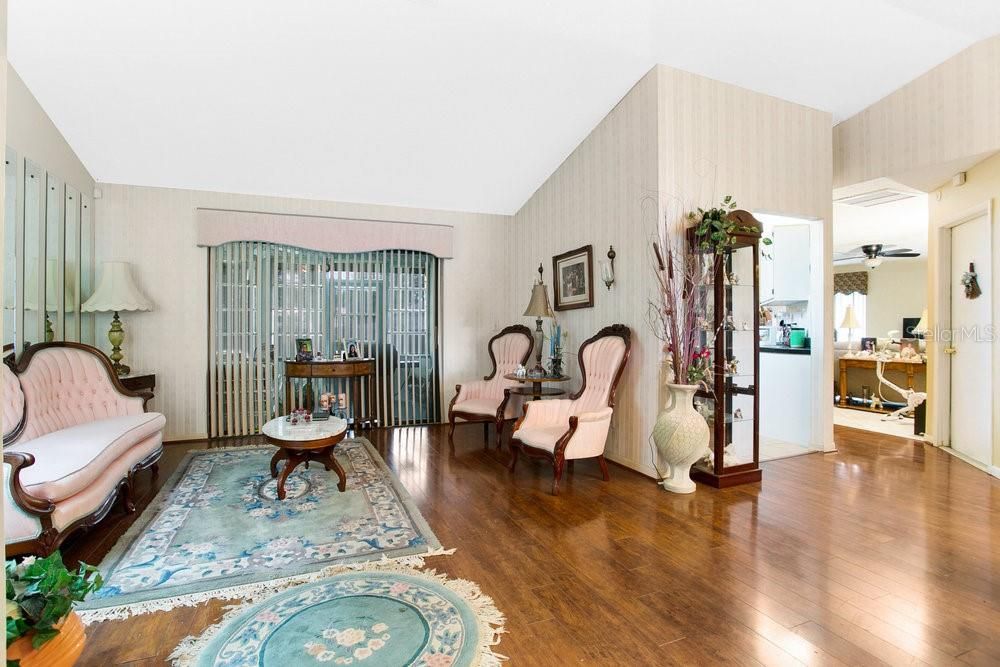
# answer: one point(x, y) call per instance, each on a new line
point(849, 321)
point(539, 304)
point(116, 292)
point(51, 294)
point(922, 325)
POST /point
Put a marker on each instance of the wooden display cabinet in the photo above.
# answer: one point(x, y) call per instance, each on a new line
point(732, 315)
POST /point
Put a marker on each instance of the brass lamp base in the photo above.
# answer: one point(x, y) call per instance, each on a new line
point(117, 336)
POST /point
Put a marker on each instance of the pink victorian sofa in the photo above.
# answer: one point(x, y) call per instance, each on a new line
point(74, 438)
point(577, 427)
point(488, 400)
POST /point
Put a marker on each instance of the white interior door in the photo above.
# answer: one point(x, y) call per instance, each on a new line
point(971, 359)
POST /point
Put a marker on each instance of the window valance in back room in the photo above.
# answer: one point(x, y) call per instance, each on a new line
point(848, 283)
point(325, 234)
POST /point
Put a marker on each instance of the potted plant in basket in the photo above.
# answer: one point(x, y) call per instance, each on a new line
point(42, 628)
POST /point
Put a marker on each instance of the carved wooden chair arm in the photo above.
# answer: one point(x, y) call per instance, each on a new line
point(24, 500)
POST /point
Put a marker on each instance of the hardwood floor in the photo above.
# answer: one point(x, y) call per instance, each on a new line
point(886, 552)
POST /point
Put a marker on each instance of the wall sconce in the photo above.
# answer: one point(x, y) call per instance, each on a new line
point(608, 270)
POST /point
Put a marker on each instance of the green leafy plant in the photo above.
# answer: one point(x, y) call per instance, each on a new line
point(716, 229)
point(40, 595)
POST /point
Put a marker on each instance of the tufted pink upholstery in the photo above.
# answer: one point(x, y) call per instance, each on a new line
point(601, 359)
point(13, 401)
point(64, 387)
point(483, 397)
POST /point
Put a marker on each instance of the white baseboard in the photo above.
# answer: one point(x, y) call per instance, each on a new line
point(988, 469)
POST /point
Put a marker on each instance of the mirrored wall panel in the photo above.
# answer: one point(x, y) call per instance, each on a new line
point(88, 277)
point(10, 254)
point(71, 265)
point(48, 256)
point(34, 248)
point(52, 274)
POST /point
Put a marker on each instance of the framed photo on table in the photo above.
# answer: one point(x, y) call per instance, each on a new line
point(869, 345)
point(303, 349)
point(909, 348)
point(573, 285)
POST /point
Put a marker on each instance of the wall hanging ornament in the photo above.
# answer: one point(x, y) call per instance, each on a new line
point(971, 282)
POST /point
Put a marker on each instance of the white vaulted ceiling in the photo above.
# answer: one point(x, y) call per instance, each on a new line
point(451, 104)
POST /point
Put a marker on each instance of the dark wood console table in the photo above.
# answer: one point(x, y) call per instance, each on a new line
point(355, 369)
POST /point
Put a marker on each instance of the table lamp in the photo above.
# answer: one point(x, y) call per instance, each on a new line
point(116, 292)
point(850, 322)
point(538, 308)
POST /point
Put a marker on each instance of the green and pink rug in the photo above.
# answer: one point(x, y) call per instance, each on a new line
point(218, 530)
point(369, 614)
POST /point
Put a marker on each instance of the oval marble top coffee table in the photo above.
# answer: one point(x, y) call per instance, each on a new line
point(303, 443)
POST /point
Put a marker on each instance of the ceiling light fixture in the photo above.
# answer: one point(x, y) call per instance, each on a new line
point(873, 262)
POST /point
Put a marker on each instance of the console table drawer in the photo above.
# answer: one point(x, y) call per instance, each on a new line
point(298, 370)
point(341, 369)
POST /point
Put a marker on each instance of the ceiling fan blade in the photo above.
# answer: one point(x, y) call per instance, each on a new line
point(844, 259)
point(901, 253)
point(852, 251)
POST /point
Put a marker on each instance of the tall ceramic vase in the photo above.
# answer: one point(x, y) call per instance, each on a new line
point(681, 436)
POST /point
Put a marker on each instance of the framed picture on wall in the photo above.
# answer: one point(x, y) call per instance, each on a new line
point(573, 285)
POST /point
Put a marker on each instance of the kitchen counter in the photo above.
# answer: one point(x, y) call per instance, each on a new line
point(784, 349)
point(785, 399)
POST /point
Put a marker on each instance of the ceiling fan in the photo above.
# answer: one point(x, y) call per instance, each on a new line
point(873, 254)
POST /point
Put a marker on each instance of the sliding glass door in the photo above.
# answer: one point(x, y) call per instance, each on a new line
point(265, 296)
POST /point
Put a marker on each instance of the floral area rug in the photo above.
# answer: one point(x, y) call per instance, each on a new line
point(381, 615)
point(218, 530)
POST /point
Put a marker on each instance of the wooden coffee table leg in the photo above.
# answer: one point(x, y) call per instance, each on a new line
point(290, 464)
point(330, 461)
point(278, 456)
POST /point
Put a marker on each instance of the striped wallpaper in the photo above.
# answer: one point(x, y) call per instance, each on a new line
point(675, 141)
point(941, 122)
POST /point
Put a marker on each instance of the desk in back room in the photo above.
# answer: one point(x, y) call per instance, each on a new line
point(911, 368)
point(355, 369)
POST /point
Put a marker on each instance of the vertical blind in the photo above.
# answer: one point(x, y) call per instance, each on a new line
point(264, 296)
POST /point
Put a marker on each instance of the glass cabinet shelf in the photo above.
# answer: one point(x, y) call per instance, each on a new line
point(728, 322)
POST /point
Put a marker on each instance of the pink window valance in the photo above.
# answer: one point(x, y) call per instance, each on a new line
point(327, 234)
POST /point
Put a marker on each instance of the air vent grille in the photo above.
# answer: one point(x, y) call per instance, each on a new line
point(876, 197)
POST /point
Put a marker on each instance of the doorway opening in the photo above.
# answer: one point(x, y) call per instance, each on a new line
point(880, 302)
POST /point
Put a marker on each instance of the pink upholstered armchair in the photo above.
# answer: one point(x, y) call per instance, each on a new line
point(74, 438)
point(485, 400)
point(577, 427)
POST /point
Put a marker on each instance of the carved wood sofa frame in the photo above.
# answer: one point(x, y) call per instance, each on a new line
point(50, 538)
